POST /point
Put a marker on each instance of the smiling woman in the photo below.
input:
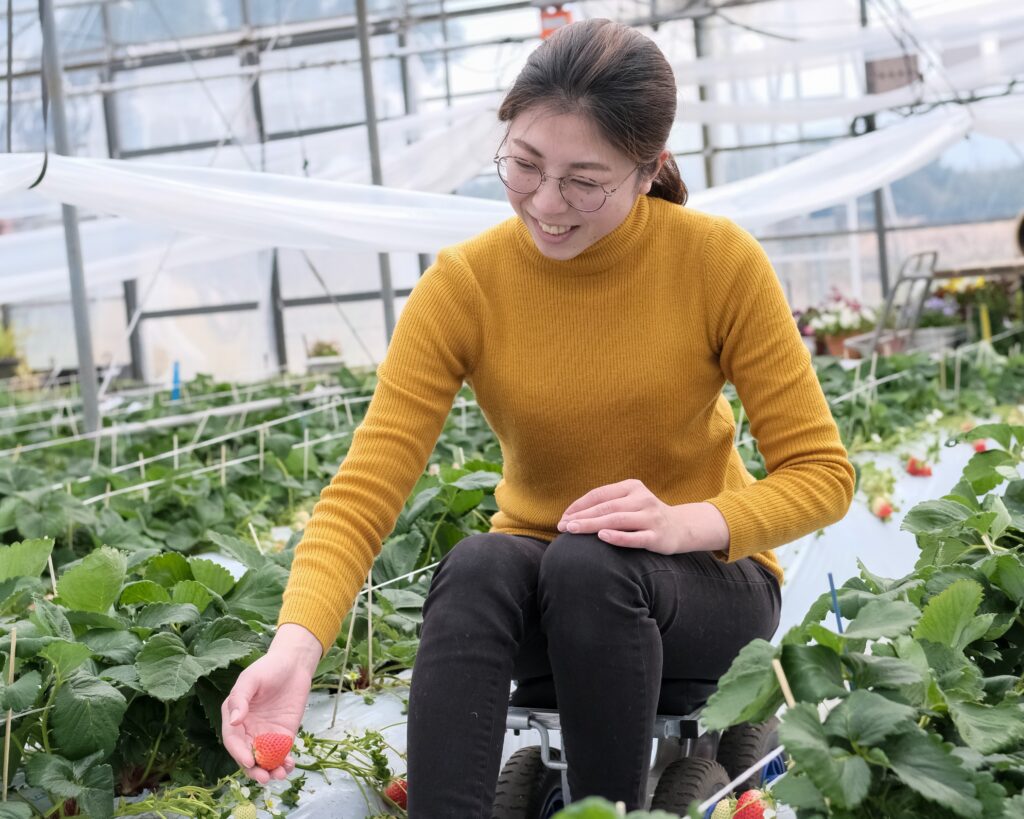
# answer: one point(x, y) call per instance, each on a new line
point(631, 548)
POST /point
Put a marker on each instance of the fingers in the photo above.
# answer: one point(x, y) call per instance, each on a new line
point(234, 710)
point(602, 494)
point(629, 521)
point(645, 539)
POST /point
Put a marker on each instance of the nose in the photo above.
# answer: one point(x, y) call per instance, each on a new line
point(548, 198)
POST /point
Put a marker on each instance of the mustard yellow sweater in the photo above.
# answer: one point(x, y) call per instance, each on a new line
point(590, 371)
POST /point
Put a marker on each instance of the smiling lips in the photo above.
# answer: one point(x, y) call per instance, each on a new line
point(554, 230)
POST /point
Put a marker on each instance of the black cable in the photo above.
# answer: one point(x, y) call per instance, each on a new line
point(754, 29)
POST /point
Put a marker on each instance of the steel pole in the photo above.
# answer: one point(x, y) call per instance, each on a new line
point(72, 240)
point(387, 290)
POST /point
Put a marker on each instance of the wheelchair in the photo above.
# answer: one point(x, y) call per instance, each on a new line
point(688, 763)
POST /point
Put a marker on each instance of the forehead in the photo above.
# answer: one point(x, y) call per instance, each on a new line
point(563, 139)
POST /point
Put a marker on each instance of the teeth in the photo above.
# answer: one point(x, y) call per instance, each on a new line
point(554, 230)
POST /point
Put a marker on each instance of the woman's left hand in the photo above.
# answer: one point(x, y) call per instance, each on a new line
point(628, 514)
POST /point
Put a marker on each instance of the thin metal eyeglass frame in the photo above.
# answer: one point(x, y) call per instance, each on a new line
point(544, 177)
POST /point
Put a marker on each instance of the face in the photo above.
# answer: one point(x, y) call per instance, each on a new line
point(570, 145)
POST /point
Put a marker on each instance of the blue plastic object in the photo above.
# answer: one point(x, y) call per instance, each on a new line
point(176, 382)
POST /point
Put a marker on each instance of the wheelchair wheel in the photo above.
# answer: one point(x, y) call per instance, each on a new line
point(526, 788)
point(690, 779)
point(743, 745)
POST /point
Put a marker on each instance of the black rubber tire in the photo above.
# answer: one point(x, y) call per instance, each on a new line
point(687, 780)
point(526, 788)
point(743, 745)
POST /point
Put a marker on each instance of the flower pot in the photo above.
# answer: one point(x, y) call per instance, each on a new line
point(836, 345)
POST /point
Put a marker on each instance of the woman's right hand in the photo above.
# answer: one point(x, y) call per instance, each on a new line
point(270, 697)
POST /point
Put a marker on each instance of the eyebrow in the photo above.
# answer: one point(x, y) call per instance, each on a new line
point(591, 166)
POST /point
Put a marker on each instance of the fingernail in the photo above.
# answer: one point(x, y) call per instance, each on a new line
point(561, 526)
point(574, 526)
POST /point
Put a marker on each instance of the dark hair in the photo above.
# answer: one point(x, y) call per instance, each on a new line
point(618, 78)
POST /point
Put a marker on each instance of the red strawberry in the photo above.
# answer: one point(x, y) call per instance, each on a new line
point(912, 466)
point(750, 805)
point(271, 749)
point(980, 446)
point(398, 792)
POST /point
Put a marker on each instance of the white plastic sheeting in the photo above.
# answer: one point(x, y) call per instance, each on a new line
point(225, 212)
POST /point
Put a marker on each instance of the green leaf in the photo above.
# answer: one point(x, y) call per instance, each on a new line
point(91, 785)
point(814, 672)
point(842, 778)
point(797, 791)
point(934, 516)
point(1001, 522)
point(463, 501)
point(191, 591)
point(985, 471)
point(166, 670)
point(1006, 572)
point(883, 618)
point(144, 591)
point(748, 691)
point(477, 480)
point(167, 568)
point(165, 614)
point(95, 583)
point(989, 728)
point(924, 764)
point(212, 575)
point(15, 810)
point(257, 595)
point(244, 551)
point(113, 646)
point(825, 637)
point(25, 559)
point(224, 640)
point(872, 671)
point(51, 621)
point(87, 716)
point(66, 656)
point(1000, 433)
point(21, 694)
point(949, 618)
point(866, 718)
point(398, 556)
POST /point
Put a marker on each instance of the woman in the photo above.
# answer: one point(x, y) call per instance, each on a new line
point(632, 550)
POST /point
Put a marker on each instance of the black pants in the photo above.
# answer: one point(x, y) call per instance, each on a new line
point(605, 622)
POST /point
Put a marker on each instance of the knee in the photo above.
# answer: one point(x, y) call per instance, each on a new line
point(485, 567)
point(578, 565)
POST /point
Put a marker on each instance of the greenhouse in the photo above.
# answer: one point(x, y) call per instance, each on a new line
point(389, 385)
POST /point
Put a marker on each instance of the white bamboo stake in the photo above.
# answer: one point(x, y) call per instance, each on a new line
point(305, 454)
point(17, 453)
point(71, 420)
point(97, 444)
point(255, 538)
point(142, 475)
point(174, 453)
point(739, 426)
point(462, 457)
point(223, 465)
point(787, 692)
point(10, 711)
point(348, 412)
point(106, 497)
point(263, 436)
point(344, 660)
point(53, 574)
point(113, 449)
point(956, 374)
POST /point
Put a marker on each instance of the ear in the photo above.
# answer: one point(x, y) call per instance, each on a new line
point(648, 182)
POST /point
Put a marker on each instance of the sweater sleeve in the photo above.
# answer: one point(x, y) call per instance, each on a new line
point(810, 479)
point(430, 354)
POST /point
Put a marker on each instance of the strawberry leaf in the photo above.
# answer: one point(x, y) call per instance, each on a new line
point(923, 762)
point(883, 618)
point(747, 692)
point(87, 714)
point(95, 583)
point(25, 559)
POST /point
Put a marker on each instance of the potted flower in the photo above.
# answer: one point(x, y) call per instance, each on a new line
point(803, 320)
point(9, 358)
point(839, 319)
point(323, 356)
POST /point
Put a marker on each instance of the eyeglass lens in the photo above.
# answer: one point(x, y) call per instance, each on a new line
point(525, 177)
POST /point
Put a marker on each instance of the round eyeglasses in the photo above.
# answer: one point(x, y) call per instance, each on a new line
point(522, 176)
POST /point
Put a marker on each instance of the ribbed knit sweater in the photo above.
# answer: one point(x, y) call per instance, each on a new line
point(590, 371)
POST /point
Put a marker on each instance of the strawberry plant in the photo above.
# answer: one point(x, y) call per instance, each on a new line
point(918, 705)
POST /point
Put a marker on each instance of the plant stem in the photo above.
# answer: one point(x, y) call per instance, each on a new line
point(45, 719)
point(156, 745)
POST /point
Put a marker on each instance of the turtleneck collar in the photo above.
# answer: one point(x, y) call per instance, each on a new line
point(599, 256)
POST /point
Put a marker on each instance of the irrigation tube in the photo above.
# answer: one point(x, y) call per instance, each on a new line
point(727, 789)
